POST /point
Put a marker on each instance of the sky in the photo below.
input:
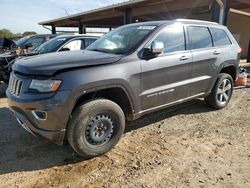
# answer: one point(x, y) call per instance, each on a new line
point(23, 15)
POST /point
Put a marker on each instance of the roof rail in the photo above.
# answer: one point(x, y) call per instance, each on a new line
point(197, 21)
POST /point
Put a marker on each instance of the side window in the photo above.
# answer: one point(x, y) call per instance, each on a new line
point(220, 37)
point(89, 41)
point(74, 45)
point(200, 37)
point(36, 41)
point(173, 39)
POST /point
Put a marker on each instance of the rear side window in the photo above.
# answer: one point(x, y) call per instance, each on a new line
point(173, 39)
point(200, 37)
point(89, 41)
point(74, 45)
point(220, 37)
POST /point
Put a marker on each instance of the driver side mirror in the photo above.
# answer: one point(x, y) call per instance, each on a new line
point(64, 49)
point(157, 47)
point(153, 51)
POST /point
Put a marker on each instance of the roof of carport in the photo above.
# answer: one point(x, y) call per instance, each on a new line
point(112, 16)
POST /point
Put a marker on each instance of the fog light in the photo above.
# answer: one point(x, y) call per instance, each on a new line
point(40, 115)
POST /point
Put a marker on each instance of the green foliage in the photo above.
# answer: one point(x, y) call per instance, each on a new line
point(6, 33)
point(26, 33)
point(9, 35)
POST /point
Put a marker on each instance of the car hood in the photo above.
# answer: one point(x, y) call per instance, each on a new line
point(48, 64)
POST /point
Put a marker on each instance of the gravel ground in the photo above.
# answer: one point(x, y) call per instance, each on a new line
point(190, 145)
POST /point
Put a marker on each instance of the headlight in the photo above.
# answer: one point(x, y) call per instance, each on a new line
point(45, 85)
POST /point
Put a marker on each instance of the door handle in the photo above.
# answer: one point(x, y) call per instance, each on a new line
point(217, 52)
point(183, 58)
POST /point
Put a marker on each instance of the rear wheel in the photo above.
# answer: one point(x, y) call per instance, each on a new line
point(221, 92)
point(95, 127)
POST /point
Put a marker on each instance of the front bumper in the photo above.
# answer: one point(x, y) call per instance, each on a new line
point(57, 108)
point(54, 136)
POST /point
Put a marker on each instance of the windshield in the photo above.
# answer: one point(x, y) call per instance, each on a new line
point(51, 45)
point(122, 40)
point(21, 41)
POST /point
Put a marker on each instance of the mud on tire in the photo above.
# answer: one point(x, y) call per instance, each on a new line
point(95, 127)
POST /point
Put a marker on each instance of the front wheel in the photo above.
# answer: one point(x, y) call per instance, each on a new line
point(95, 127)
point(221, 92)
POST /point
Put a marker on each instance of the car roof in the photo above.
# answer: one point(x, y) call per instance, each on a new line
point(76, 36)
point(41, 35)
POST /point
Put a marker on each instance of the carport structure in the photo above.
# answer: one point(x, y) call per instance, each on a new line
point(147, 10)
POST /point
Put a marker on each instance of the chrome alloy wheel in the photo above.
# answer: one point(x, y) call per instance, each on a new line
point(224, 91)
point(100, 130)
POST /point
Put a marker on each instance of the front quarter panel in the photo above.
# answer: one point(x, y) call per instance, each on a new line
point(125, 74)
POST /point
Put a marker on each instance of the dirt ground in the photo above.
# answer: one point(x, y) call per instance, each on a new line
point(190, 145)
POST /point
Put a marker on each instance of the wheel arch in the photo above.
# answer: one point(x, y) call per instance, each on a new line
point(115, 93)
point(229, 69)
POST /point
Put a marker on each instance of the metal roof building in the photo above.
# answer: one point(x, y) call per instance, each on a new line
point(221, 11)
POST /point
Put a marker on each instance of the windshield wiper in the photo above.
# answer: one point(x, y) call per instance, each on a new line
point(99, 50)
point(104, 51)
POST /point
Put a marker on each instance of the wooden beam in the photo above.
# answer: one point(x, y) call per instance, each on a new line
point(244, 1)
point(169, 6)
point(148, 7)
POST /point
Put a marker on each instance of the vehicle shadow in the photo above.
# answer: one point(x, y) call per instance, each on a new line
point(20, 151)
point(190, 107)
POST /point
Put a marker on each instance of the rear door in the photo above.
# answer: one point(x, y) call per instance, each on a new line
point(222, 41)
point(206, 59)
point(167, 78)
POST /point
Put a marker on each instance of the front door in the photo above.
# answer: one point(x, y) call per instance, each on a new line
point(167, 78)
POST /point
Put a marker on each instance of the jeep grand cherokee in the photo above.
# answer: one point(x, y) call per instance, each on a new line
point(84, 97)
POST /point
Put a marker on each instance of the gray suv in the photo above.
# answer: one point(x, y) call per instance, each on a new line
point(85, 97)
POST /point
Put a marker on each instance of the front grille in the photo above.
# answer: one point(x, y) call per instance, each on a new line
point(15, 85)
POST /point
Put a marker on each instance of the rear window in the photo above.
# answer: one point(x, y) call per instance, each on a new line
point(200, 37)
point(89, 41)
point(220, 37)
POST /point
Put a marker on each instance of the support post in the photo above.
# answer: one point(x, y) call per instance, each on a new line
point(217, 11)
point(53, 29)
point(128, 17)
point(84, 29)
point(81, 28)
point(248, 53)
point(227, 4)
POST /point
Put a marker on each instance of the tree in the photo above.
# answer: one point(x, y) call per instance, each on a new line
point(6, 33)
point(26, 33)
